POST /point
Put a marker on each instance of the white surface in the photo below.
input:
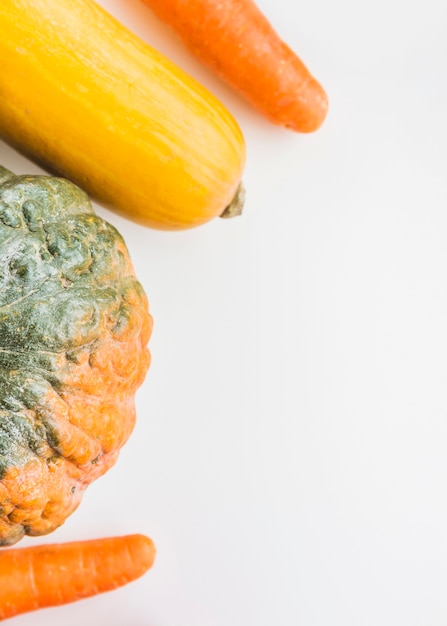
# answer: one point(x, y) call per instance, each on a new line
point(290, 457)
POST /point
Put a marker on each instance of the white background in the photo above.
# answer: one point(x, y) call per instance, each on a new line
point(290, 455)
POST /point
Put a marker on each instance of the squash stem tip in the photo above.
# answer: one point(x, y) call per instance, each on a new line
point(5, 174)
point(236, 205)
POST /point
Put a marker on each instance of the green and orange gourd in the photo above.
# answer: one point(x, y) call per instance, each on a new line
point(74, 328)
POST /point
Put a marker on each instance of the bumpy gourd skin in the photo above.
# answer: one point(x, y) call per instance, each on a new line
point(74, 328)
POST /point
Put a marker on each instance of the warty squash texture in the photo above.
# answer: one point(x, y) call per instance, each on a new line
point(74, 329)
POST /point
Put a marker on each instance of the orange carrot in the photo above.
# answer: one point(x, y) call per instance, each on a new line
point(238, 43)
point(51, 575)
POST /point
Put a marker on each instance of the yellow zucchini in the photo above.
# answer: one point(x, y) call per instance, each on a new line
point(88, 100)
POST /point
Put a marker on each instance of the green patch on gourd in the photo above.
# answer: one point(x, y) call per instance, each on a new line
point(68, 298)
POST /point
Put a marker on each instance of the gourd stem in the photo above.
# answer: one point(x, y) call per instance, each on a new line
point(237, 204)
point(5, 174)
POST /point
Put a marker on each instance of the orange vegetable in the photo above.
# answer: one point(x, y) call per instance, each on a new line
point(51, 575)
point(236, 41)
point(74, 329)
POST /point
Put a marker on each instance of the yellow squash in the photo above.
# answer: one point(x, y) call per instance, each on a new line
point(88, 100)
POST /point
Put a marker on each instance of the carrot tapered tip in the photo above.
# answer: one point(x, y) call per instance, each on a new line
point(307, 113)
point(143, 550)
